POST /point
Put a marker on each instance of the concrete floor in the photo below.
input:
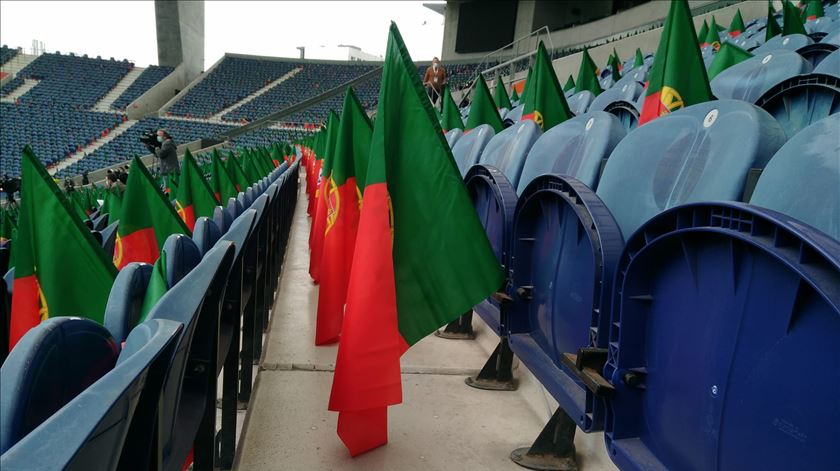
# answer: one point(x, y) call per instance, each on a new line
point(441, 425)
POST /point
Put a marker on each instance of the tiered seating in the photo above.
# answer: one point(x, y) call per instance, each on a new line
point(11, 86)
point(233, 79)
point(53, 132)
point(72, 81)
point(368, 94)
point(312, 80)
point(149, 78)
point(6, 54)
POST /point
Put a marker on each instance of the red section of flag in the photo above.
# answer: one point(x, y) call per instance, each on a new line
point(139, 246)
point(26, 308)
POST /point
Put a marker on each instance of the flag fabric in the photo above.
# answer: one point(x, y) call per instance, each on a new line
point(570, 84)
point(194, 198)
point(60, 269)
point(617, 59)
point(451, 114)
point(313, 173)
point(772, 28)
point(615, 68)
point(640, 59)
point(513, 95)
point(482, 108)
point(156, 288)
point(343, 202)
point(240, 180)
point(147, 219)
point(736, 26)
point(113, 204)
point(500, 95)
point(221, 183)
point(587, 78)
point(814, 10)
point(713, 36)
point(728, 56)
point(421, 258)
point(718, 27)
point(545, 104)
point(525, 86)
point(319, 222)
point(701, 36)
point(678, 76)
point(791, 21)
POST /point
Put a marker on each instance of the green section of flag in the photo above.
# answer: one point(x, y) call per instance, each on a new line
point(157, 286)
point(500, 95)
point(514, 96)
point(221, 182)
point(570, 84)
point(640, 59)
point(737, 23)
point(545, 103)
point(236, 173)
point(193, 190)
point(704, 31)
point(483, 109)
point(144, 206)
point(728, 55)
point(791, 20)
point(772, 28)
point(451, 114)
point(587, 78)
point(352, 142)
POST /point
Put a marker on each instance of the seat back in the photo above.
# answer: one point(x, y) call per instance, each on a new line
point(182, 255)
point(576, 147)
point(102, 424)
point(453, 135)
point(830, 65)
point(109, 238)
point(507, 150)
point(800, 101)
point(234, 208)
point(205, 234)
point(123, 310)
point(467, 150)
point(49, 366)
point(816, 53)
point(628, 92)
point(687, 156)
point(515, 114)
point(637, 75)
point(791, 42)
point(803, 178)
point(222, 218)
point(580, 101)
point(751, 78)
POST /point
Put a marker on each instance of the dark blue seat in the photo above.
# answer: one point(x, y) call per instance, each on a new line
point(751, 78)
point(205, 234)
point(576, 147)
point(122, 312)
point(508, 149)
point(69, 402)
point(467, 150)
point(109, 237)
point(222, 218)
point(234, 208)
point(720, 310)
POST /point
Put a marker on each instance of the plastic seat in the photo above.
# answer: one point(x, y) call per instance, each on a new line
point(452, 136)
point(579, 102)
point(712, 302)
point(751, 78)
point(101, 412)
point(830, 65)
point(621, 100)
point(122, 312)
point(467, 149)
point(515, 114)
point(803, 178)
point(222, 218)
point(234, 207)
point(816, 53)
point(800, 101)
point(508, 149)
point(791, 42)
point(576, 147)
point(205, 234)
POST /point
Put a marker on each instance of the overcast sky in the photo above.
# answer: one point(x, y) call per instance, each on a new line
point(126, 29)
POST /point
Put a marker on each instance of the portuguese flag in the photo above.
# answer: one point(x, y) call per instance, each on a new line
point(249, 164)
point(319, 222)
point(772, 28)
point(640, 59)
point(791, 21)
point(814, 10)
point(147, 219)
point(570, 84)
point(112, 204)
point(421, 256)
point(60, 269)
point(545, 103)
point(587, 78)
point(194, 198)
point(728, 56)
point(314, 171)
point(221, 183)
point(514, 96)
point(343, 201)
point(240, 180)
point(615, 68)
point(678, 76)
point(713, 36)
point(701, 36)
point(736, 26)
point(451, 114)
point(482, 109)
point(500, 95)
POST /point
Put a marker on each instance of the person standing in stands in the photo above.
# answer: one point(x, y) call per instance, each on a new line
point(167, 154)
point(434, 80)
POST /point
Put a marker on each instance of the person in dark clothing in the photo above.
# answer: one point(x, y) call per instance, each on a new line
point(167, 153)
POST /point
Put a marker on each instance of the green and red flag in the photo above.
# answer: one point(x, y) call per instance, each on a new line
point(500, 95)
point(343, 204)
point(736, 26)
point(482, 108)
point(319, 222)
point(678, 76)
point(545, 104)
point(587, 78)
point(791, 20)
point(814, 10)
point(194, 198)
point(701, 36)
point(570, 84)
point(221, 183)
point(451, 114)
point(615, 67)
point(713, 36)
point(60, 269)
point(617, 60)
point(156, 288)
point(718, 27)
point(728, 56)
point(249, 164)
point(640, 59)
point(421, 257)
point(772, 28)
point(513, 95)
point(240, 180)
point(147, 219)
point(314, 172)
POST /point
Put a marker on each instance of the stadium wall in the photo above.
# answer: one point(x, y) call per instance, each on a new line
point(154, 98)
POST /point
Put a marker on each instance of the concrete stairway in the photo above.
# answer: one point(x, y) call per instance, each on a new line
point(77, 156)
point(28, 84)
point(104, 104)
point(15, 65)
point(217, 118)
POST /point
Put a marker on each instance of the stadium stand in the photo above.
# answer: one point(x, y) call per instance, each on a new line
point(149, 78)
point(6, 54)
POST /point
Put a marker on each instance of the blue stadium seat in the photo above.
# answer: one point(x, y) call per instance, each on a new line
point(222, 218)
point(751, 78)
point(205, 234)
point(579, 102)
point(816, 53)
point(70, 403)
point(577, 148)
point(122, 312)
point(620, 100)
point(452, 136)
point(507, 150)
point(515, 114)
point(830, 65)
point(791, 42)
point(467, 150)
point(800, 101)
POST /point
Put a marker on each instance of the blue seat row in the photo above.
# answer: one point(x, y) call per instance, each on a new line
point(147, 79)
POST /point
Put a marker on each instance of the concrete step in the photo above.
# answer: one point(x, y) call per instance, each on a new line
point(77, 156)
point(104, 104)
point(28, 84)
point(16, 64)
point(217, 118)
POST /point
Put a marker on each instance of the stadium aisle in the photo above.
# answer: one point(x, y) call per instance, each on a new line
point(442, 424)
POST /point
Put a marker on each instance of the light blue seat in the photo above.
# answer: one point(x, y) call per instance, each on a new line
point(467, 150)
point(507, 150)
point(816, 53)
point(515, 114)
point(830, 65)
point(621, 100)
point(453, 135)
point(803, 178)
point(576, 147)
point(832, 38)
point(791, 42)
point(685, 157)
point(122, 312)
point(819, 25)
point(205, 234)
point(579, 102)
point(800, 101)
point(751, 78)
point(222, 218)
